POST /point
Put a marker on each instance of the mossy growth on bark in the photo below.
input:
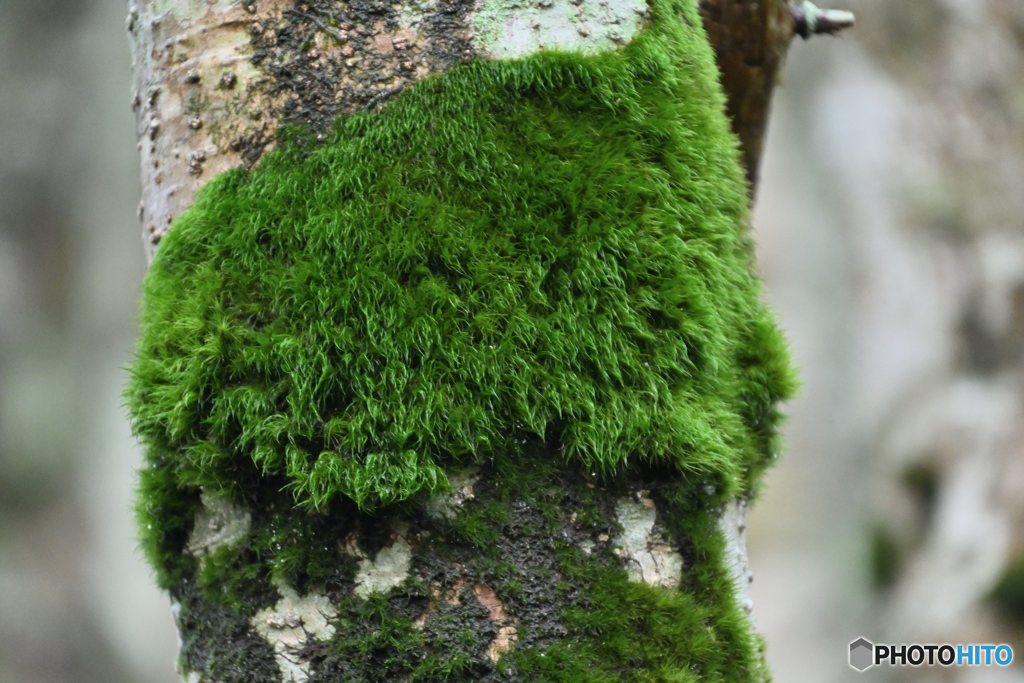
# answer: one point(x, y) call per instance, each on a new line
point(533, 267)
point(534, 559)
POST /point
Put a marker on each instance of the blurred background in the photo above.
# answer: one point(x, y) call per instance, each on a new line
point(890, 224)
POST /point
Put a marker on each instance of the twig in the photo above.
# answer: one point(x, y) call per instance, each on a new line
point(811, 20)
point(383, 95)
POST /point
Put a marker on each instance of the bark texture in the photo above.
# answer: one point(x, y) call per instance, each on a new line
point(750, 40)
point(196, 96)
point(214, 80)
point(473, 586)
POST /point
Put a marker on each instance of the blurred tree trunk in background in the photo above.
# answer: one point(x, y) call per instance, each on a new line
point(942, 299)
point(903, 150)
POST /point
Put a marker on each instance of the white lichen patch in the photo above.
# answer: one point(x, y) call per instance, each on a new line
point(733, 526)
point(411, 14)
point(219, 522)
point(446, 506)
point(507, 29)
point(290, 625)
point(386, 571)
point(650, 558)
point(195, 677)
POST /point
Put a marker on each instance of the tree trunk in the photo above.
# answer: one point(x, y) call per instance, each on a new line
point(750, 41)
point(940, 214)
point(590, 528)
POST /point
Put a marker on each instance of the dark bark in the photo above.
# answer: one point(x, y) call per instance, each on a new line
point(750, 38)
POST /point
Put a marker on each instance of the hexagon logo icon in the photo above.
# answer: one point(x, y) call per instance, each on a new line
point(862, 653)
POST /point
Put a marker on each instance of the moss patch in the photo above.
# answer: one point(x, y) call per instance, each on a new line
point(549, 246)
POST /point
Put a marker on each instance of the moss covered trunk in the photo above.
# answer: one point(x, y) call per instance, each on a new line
point(536, 573)
point(459, 370)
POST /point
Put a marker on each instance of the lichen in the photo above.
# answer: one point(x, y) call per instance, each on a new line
point(649, 557)
point(526, 604)
point(516, 28)
point(388, 569)
point(219, 522)
point(290, 625)
point(446, 505)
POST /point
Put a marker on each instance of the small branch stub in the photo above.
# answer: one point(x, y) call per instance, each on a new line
point(810, 20)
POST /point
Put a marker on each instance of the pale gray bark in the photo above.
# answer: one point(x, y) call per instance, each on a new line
point(947, 430)
point(193, 80)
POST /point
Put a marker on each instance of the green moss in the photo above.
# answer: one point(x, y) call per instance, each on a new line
point(1008, 594)
point(549, 246)
point(618, 630)
point(885, 558)
point(577, 614)
point(164, 512)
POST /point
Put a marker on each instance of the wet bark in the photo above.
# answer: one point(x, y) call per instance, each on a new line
point(450, 587)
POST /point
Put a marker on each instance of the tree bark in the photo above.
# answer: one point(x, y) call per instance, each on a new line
point(750, 41)
point(938, 210)
point(215, 81)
